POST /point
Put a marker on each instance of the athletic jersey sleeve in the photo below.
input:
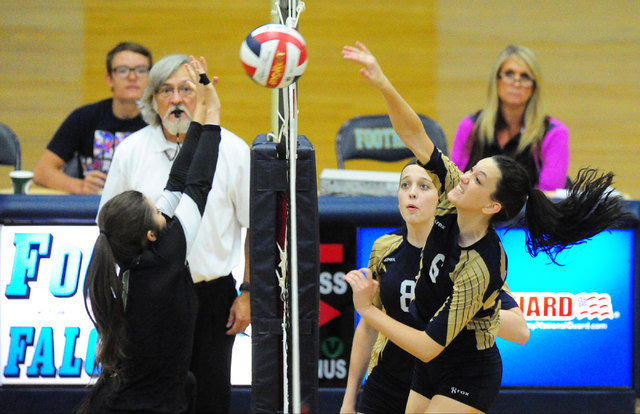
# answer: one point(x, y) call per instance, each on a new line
point(445, 176)
point(198, 182)
point(471, 280)
point(180, 167)
point(171, 195)
point(203, 166)
point(507, 301)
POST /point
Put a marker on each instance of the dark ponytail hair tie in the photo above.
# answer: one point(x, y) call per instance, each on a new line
point(104, 232)
point(204, 79)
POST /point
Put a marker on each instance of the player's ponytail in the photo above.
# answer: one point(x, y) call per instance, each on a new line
point(124, 222)
point(590, 207)
point(103, 301)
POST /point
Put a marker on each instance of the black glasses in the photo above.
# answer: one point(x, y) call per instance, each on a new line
point(509, 77)
point(123, 71)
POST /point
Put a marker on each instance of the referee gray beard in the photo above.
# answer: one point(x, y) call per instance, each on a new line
point(177, 126)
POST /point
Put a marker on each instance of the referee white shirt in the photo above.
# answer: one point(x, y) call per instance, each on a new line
point(143, 161)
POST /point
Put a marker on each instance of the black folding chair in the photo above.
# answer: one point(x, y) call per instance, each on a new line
point(9, 147)
point(372, 137)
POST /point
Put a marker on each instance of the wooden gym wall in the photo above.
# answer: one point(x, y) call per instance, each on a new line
point(437, 53)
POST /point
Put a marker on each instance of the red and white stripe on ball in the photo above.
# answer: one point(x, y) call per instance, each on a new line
point(274, 55)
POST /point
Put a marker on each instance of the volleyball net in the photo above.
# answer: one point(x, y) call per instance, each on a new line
point(284, 255)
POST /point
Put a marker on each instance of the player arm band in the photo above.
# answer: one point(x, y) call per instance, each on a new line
point(204, 79)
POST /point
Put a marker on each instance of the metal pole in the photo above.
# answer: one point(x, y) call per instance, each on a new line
point(295, 331)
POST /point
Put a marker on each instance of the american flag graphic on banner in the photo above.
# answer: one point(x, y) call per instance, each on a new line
point(593, 305)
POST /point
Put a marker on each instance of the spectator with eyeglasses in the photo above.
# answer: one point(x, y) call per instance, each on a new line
point(79, 155)
point(513, 122)
point(142, 163)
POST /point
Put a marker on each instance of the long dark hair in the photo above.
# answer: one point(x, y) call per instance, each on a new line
point(124, 222)
point(590, 207)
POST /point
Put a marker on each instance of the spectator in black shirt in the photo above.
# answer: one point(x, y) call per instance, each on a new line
point(78, 156)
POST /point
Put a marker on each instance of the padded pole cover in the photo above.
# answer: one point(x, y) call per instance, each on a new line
point(269, 185)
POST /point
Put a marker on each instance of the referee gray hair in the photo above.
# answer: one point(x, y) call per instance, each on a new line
point(160, 72)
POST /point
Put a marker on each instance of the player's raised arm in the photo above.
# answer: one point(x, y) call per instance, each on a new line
point(404, 119)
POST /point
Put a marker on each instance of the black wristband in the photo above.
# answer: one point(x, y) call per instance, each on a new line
point(245, 287)
point(204, 79)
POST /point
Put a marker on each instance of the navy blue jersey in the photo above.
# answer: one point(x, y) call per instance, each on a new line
point(161, 317)
point(394, 262)
point(456, 297)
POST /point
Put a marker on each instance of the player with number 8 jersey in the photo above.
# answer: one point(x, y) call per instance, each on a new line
point(394, 263)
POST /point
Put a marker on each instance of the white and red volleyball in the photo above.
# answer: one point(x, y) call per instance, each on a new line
point(274, 55)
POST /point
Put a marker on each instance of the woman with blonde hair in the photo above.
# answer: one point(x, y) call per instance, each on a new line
point(513, 122)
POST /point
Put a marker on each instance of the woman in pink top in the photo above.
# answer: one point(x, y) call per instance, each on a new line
point(513, 122)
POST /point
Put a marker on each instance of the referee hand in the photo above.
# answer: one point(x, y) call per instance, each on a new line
point(239, 315)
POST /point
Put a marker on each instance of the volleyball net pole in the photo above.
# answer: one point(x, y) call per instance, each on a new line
point(284, 121)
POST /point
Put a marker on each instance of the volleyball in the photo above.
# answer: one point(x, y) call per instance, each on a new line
point(274, 55)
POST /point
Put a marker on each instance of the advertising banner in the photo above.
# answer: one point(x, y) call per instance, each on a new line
point(579, 311)
point(46, 336)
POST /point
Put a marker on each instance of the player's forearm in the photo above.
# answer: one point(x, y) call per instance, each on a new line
point(363, 340)
point(58, 180)
point(412, 340)
point(406, 123)
point(513, 326)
